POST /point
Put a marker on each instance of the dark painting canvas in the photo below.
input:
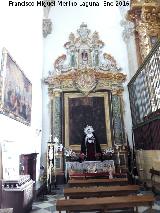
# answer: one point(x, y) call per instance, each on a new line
point(86, 111)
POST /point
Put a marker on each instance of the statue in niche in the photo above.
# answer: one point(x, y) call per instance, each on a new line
point(72, 59)
point(90, 148)
point(96, 58)
point(84, 57)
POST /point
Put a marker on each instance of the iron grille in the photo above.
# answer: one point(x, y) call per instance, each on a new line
point(144, 88)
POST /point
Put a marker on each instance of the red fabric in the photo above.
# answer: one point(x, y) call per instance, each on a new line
point(90, 174)
point(99, 174)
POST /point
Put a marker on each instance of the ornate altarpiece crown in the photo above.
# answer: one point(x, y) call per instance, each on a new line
point(84, 52)
point(85, 67)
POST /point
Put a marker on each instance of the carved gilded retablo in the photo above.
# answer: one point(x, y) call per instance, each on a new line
point(146, 16)
point(85, 67)
point(85, 81)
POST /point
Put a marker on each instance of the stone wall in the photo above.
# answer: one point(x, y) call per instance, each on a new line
point(146, 159)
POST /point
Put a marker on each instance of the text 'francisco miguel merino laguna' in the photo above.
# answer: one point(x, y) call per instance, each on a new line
point(68, 3)
point(53, 3)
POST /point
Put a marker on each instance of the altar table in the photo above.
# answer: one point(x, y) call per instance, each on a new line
point(89, 165)
point(85, 167)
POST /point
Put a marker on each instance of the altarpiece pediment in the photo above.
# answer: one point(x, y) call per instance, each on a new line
point(85, 67)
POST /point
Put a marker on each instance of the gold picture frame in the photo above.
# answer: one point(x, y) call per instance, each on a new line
point(68, 96)
point(15, 90)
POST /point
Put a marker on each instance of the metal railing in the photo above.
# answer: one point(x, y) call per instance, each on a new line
point(144, 88)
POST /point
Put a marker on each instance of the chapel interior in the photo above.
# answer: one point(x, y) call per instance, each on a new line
point(80, 107)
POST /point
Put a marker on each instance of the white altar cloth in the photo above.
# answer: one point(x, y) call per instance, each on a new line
point(89, 165)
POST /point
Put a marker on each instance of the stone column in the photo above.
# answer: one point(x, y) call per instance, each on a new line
point(129, 38)
point(56, 126)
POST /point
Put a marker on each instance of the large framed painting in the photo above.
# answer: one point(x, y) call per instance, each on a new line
point(80, 111)
point(16, 90)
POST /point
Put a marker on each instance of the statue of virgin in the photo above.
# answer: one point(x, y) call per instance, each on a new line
point(90, 146)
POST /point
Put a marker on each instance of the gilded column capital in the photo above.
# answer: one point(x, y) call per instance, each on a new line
point(117, 91)
point(144, 10)
point(54, 92)
point(146, 16)
point(47, 27)
point(57, 92)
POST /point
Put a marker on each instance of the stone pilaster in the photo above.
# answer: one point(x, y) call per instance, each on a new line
point(56, 115)
point(118, 129)
point(128, 35)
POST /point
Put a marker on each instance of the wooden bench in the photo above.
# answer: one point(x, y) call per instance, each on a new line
point(97, 175)
point(105, 203)
point(103, 181)
point(102, 191)
point(154, 172)
point(153, 183)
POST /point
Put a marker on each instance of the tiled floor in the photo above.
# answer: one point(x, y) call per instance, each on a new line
point(48, 203)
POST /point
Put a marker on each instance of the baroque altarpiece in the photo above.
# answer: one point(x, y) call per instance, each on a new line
point(86, 88)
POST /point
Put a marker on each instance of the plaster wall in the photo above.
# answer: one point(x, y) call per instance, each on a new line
point(21, 35)
point(132, 58)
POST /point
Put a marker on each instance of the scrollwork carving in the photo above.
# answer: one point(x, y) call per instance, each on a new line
point(84, 52)
point(85, 81)
point(85, 68)
point(47, 27)
point(128, 30)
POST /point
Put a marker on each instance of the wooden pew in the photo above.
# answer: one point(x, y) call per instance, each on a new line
point(154, 172)
point(98, 182)
point(101, 191)
point(105, 203)
point(95, 175)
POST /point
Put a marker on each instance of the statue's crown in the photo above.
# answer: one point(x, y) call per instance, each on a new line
point(88, 128)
